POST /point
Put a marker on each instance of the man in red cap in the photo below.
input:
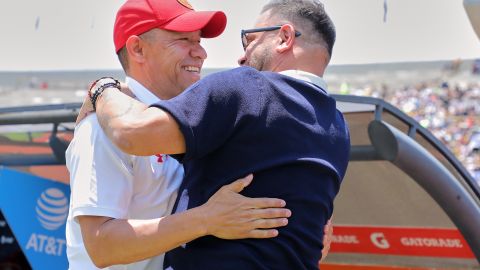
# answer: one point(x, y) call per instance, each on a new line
point(118, 200)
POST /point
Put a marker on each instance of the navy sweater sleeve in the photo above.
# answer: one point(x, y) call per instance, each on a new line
point(210, 111)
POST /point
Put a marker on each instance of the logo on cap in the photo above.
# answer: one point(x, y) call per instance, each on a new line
point(185, 3)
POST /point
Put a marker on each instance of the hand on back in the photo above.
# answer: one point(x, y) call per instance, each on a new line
point(230, 215)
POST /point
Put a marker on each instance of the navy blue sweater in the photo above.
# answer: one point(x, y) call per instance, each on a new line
point(285, 131)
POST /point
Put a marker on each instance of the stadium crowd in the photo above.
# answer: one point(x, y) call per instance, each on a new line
point(450, 111)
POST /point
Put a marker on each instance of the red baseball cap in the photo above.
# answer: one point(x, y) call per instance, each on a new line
point(139, 16)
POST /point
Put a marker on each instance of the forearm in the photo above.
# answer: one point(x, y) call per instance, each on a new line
point(227, 215)
point(135, 128)
point(119, 241)
point(116, 112)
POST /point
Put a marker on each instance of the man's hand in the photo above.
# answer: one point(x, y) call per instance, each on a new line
point(85, 110)
point(229, 215)
point(327, 238)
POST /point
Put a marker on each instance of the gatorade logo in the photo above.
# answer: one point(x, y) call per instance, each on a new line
point(52, 209)
point(379, 240)
point(185, 3)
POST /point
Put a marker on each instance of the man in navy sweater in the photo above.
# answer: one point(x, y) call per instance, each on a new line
point(271, 117)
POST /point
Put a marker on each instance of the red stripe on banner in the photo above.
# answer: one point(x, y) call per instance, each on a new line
point(429, 242)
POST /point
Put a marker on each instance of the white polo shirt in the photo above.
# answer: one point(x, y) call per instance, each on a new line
point(107, 182)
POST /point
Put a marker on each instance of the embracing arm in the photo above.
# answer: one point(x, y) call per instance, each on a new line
point(135, 128)
point(120, 241)
point(227, 215)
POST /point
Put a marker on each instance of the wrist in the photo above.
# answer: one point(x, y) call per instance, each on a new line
point(98, 86)
point(201, 220)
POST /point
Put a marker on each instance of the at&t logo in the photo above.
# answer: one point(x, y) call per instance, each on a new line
point(52, 209)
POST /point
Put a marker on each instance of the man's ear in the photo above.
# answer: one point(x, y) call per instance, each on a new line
point(287, 36)
point(136, 49)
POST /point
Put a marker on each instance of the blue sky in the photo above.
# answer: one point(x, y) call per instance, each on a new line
point(77, 34)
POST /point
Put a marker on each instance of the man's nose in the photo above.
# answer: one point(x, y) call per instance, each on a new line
point(241, 61)
point(199, 52)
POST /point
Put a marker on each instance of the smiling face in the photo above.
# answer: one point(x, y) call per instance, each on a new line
point(173, 61)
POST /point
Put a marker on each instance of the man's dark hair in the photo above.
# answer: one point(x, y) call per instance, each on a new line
point(310, 11)
point(123, 58)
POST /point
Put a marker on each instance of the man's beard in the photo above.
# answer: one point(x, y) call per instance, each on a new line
point(261, 60)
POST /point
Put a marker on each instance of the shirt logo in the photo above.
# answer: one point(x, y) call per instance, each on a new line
point(161, 158)
point(185, 3)
point(52, 209)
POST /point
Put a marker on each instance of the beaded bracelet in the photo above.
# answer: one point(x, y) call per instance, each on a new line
point(95, 82)
point(99, 90)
